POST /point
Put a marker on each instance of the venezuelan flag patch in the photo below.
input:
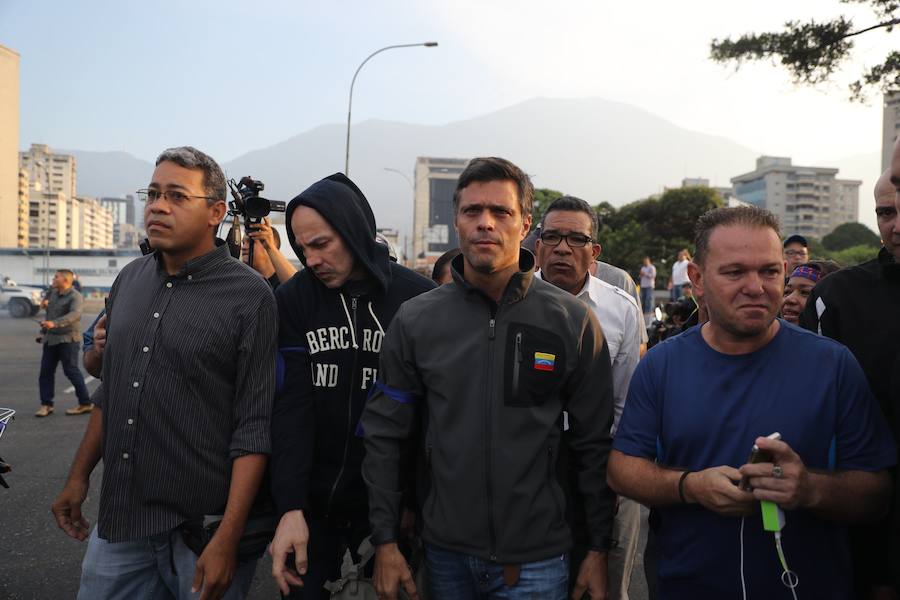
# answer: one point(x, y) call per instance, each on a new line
point(544, 361)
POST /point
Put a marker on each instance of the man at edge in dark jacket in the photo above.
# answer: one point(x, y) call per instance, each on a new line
point(478, 374)
point(333, 316)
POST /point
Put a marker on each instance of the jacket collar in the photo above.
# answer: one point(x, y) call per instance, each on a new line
point(517, 287)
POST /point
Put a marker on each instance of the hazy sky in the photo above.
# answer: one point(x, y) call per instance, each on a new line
point(231, 76)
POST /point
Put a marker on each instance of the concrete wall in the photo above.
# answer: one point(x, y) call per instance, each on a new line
point(9, 148)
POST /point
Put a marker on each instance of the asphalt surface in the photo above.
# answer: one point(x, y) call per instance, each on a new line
point(37, 560)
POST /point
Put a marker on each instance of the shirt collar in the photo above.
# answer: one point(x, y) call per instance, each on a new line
point(200, 265)
point(587, 293)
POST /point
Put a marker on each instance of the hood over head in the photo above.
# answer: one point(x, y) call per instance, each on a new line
point(346, 209)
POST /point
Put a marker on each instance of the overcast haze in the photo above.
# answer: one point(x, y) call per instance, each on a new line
point(230, 77)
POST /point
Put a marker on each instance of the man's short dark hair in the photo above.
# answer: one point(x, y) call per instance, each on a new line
point(749, 216)
point(443, 262)
point(483, 170)
point(574, 204)
point(191, 158)
point(68, 273)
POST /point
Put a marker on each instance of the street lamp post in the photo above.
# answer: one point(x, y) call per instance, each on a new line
point(350, 102)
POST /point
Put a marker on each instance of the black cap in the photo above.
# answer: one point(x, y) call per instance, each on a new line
point(796, 238)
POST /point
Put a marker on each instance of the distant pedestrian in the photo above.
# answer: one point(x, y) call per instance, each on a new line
point(62, 338)
point(679, 274)
point(441, 273)
point(648, 282)
point(796, 251)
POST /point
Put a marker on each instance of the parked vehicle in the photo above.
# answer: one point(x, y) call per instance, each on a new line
point(21, 301)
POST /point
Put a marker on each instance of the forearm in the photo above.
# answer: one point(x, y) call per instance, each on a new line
point(93, 362)
point(850, 496)
point(67, 319)
point(643, 480)
point(246, 475)
point(90, 450)
point(283, 267)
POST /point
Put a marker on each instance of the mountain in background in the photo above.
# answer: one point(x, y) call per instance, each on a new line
point(592, 148)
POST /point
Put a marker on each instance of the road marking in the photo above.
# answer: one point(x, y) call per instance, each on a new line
point(71, 388)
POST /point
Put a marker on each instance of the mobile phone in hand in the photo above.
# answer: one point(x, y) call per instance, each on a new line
point(757, 455)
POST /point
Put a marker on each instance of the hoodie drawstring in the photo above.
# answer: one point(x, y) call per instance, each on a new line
point(377, 322)
point(349, 322)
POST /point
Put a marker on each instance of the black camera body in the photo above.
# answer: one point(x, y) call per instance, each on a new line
point(251, 207)
point(248, 203)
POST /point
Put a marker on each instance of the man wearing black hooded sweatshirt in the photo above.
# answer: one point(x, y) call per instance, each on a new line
point(333, 316)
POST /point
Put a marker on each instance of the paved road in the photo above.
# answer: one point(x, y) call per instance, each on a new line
point(37, 560)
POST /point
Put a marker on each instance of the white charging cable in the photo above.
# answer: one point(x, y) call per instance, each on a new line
point(788, 577)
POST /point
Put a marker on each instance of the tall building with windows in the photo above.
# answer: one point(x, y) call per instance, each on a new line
point(433, 230)
point(95, 225)
point(47, 169)
point(47, 219)
point(810, 201)
point(126, 230)
point(891, 127)
point(9, 149)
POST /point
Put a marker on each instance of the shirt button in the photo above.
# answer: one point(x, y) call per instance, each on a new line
point(169, 284)
point(146, 348)
point(125, 455)
point(155, 315)
point(190, 277)
point(131, 421)
point(135, 384)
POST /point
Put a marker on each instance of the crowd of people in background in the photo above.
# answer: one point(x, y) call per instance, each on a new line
point(492, 430)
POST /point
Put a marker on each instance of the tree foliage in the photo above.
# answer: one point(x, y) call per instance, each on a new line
point(854, 255)
point(812, 51)
point(848, 235)
point(543, 197)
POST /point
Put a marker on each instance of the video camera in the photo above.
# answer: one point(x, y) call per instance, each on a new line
point(250, 206)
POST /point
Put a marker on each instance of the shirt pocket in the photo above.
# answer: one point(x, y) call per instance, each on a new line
point(534, 365)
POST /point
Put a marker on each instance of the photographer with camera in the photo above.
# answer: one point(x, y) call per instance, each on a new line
point(61, 334)
point(268, 260)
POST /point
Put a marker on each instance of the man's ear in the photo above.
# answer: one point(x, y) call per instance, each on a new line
point(526, 227)
point(216, 213)
point(695, 274)
point(595, 250)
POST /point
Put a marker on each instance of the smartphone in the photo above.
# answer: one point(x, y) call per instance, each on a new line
point(757, 455)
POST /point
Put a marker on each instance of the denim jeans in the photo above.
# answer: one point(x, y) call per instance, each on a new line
point(455, 576)
point(144, 569)
point(675, 294)
point(647, 299)
point(67, 354)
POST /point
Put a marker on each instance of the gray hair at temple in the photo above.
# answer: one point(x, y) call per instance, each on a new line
point(191, 158)
point(748, 216)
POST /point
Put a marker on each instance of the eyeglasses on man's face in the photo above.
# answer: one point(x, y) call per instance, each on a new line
point(574, 240)
point(174, 196)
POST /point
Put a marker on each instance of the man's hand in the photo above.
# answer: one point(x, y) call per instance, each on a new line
point(593, 577)
point(263, 234)
point(292, 535)
point(715, 489)
point(391, 572)
point(100, 335)
point(215, 569)
point(47, 324)
point(67, 510)
point(793, 489)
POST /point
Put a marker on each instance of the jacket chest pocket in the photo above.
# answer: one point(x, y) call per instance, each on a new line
point(534, 365)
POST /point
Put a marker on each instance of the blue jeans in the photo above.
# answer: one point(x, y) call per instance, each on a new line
point(647, 299)
point(676, 292)
point(67, 354)
point(144, 569)
point(455, 576)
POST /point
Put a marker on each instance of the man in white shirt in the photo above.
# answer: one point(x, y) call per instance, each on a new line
point(679, 274)
point(565, 249)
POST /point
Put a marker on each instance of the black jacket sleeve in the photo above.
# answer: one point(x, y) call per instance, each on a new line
point(389, 422)
point(293, 431)
point(590, 409)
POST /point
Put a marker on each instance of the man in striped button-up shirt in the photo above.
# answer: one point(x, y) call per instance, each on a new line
point(185, 405)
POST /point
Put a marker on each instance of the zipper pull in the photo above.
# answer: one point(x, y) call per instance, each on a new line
point(353, 302)
point(519, 356)
point(491, 331)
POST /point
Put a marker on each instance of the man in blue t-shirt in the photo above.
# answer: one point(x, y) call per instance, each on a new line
point(699, 401)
